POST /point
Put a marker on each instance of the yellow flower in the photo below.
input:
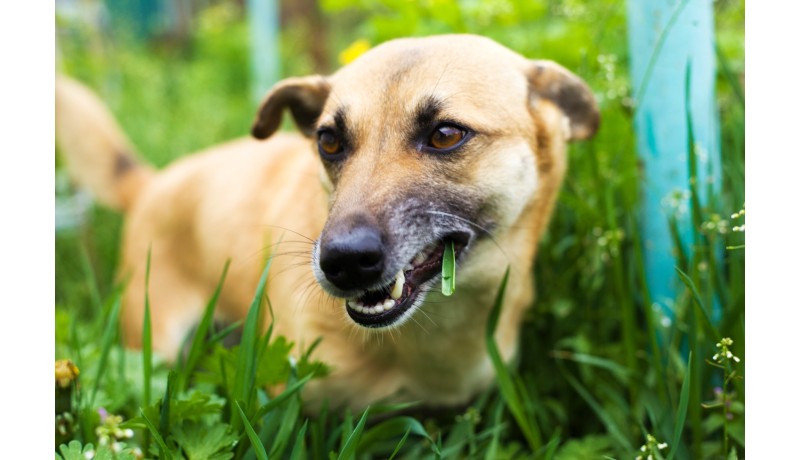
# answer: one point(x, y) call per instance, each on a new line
point(352, 52)
point(66, 372)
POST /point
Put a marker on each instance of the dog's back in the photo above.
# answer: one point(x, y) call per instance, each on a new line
point(232, 201)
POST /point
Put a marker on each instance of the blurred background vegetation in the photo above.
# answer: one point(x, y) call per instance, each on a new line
point(182, 82)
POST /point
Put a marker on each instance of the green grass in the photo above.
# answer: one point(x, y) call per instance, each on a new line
point(599, 369)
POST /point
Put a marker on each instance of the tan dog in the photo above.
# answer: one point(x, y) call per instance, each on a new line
point(418, 143)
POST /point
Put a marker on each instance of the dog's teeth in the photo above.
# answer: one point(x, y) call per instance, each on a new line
point(397, 289)
point(388, 304)
point(378, 308)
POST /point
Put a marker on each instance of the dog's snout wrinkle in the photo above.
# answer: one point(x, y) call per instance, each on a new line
point(353, 257)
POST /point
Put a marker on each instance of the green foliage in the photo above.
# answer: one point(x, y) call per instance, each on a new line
point(201, 441)
point(75, 451)
point(600, 367)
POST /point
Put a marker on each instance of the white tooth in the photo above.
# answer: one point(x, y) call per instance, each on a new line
point(378, 308)
point(370, 310)
point(397, 289)
point(388, 304)
point(419, 258)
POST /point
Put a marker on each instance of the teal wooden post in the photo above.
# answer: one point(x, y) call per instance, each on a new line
point(137, 16)
point(665, 37)
point(264, 45)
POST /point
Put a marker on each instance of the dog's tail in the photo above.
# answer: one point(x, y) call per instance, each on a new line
point(97, 153)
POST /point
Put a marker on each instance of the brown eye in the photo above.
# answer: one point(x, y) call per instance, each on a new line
point(328, 143)
point(445, 137)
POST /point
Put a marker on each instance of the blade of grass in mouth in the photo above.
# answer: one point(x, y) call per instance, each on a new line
point(449, 269)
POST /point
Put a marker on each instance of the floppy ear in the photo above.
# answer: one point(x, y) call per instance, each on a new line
point(550, 81)
point(303, 96)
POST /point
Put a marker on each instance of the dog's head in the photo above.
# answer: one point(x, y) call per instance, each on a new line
point(426, 142)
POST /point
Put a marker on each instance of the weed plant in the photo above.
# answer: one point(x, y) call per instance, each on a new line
point(602, 372)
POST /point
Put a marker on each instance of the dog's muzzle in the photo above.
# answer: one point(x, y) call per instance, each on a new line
point(354, 259)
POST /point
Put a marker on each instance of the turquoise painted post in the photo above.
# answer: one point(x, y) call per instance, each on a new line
point(141, 17)
point(665, 37)
point(264, 45)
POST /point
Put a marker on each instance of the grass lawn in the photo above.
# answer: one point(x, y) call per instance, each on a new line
point(602, 371)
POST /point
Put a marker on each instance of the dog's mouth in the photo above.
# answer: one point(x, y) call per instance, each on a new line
point(385, 306)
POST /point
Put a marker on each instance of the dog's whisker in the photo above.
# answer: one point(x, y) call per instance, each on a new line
point(309, 240)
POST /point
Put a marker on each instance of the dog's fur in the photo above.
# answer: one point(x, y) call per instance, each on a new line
point(493, 195)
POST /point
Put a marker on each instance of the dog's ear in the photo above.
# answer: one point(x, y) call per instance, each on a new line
point(551, 81)
point(303, 96)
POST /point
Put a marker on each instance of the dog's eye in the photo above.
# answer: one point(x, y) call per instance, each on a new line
point(446, 136)
point(329, 143)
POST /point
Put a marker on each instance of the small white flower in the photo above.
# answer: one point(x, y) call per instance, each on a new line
point(662, 446)
point(89, 454)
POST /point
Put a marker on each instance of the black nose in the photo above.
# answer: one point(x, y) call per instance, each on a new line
point(352, 257)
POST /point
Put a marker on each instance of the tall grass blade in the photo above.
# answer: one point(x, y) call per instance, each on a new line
point(285, 394)
point(400, 445)
point(657, 51)
point(552, 446)
point(613, 428)
point(705, 319)
point(219, 336)
point(244, 378)
point(91, 277)
point(163, 424)
point(108, 341)
point(392, 428)
point(299, 449)
point(504, 379)
point(621, 372)
point(199, 342)
point(147, 339)
point(349, 448)
point(683, 407)
point(147, 347)
point(165, 453)
point(494, 444)
point(258, 446)
point(286, 428)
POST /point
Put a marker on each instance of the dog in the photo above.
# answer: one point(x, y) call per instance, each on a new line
point(418, 144)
